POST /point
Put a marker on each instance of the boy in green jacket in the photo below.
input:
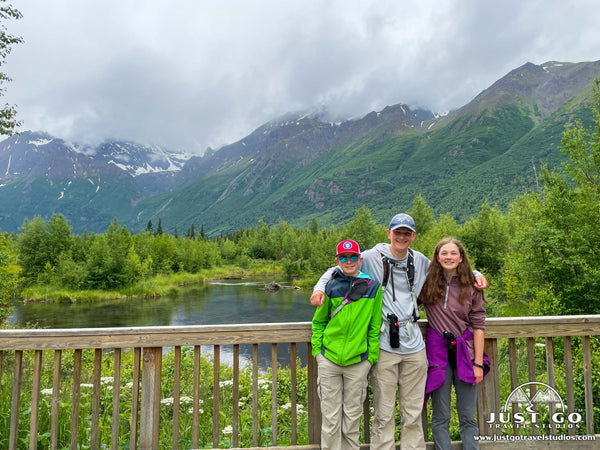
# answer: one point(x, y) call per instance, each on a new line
point(345, 342)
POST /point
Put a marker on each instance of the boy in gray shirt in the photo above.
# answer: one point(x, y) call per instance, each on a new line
point(401, 272)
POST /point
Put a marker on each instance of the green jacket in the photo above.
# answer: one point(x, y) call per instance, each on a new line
point(352, 335)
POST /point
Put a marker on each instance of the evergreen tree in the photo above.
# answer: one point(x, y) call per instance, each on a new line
point(422, 213)
point(486, 238)
point(314, 227)
point(9, 274)
point(8, 114)
point(362, 229)
point(554, 265)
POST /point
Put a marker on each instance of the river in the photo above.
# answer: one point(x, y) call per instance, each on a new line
point(213, 303)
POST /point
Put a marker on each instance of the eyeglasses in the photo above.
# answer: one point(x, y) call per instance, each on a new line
point(343, 259)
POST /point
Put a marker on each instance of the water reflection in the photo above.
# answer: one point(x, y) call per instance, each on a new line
point(213, 303)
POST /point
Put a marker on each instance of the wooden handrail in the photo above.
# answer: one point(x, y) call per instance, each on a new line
point(270, 333)
point(149, 343)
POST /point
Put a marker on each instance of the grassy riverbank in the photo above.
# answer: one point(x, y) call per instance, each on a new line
point(159, 285)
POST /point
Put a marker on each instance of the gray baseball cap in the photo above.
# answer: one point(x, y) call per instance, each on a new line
point(402, 221)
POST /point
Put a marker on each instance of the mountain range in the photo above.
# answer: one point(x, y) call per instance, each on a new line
point(299, 167)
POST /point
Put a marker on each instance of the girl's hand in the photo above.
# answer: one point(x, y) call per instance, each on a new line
point(478, 372)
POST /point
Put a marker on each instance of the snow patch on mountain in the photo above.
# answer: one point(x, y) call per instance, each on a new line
point(138, 159)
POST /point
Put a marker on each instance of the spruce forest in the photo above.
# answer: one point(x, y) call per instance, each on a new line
point(540, 256)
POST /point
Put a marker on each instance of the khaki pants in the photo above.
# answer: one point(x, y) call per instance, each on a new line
point(407, 373)
point(342, 391)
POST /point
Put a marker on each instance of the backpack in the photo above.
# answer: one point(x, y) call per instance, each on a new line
point(410, 275)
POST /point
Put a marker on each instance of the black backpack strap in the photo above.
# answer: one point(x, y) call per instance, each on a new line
point(410, 273)
point(410, 267)
point(386, 270)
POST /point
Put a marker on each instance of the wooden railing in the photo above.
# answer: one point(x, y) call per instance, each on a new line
point(75, 360)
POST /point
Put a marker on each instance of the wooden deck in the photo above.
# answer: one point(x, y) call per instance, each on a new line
point(556, 351)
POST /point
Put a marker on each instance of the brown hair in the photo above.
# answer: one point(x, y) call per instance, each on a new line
point(434, 289)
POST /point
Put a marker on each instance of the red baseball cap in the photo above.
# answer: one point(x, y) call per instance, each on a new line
point(347, 246)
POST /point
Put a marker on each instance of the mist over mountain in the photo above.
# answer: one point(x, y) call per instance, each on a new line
point(301, 167)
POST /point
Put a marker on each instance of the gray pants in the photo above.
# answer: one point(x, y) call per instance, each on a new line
point(466, 403)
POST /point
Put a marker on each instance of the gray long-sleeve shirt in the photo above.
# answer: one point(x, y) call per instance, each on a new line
point(397, 298)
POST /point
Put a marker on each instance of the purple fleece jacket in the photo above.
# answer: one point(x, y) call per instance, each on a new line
point(437, 356)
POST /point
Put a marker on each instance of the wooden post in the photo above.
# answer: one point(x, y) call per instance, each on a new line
point(150, 411)
point(15, 402)
point(488, 396)
point(314, 405)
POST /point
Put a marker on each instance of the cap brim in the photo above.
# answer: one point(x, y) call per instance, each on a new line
point(354, 253)
point(403, 226)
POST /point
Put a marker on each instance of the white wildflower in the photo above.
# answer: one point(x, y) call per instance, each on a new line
point(167, 401)
point(86, 385)
point(228, 430)
point(107, 380)
point(46, 391)
point(299, 407)
point(263, 383)
point(225, 383)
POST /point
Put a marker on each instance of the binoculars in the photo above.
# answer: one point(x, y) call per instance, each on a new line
point(394, 330)
point(450, 340)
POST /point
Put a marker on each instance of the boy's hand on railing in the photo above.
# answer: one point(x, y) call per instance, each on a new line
point(317, 298)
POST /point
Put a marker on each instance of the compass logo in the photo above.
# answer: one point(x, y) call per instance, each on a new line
point(538, 405)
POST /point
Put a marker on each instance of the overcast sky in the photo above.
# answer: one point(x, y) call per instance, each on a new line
point(187, 74)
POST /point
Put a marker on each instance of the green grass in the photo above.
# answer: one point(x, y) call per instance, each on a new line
point(153, 287)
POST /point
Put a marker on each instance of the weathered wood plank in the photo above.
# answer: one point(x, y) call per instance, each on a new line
point(587, 380)
point(568, 358)
point(255, 395)
point(44, 339)
point(274, 394)
point(55, 400)
point(216, 390)
point(196, 407)
point(176, 396)
point(35, 400)
point(15, 401)
point(116, 394)
point(294, 414)
point(76, 402)
point(135, 398)
point(236, 396)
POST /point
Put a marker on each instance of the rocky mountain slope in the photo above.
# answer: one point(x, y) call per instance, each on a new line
point(301, 167)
